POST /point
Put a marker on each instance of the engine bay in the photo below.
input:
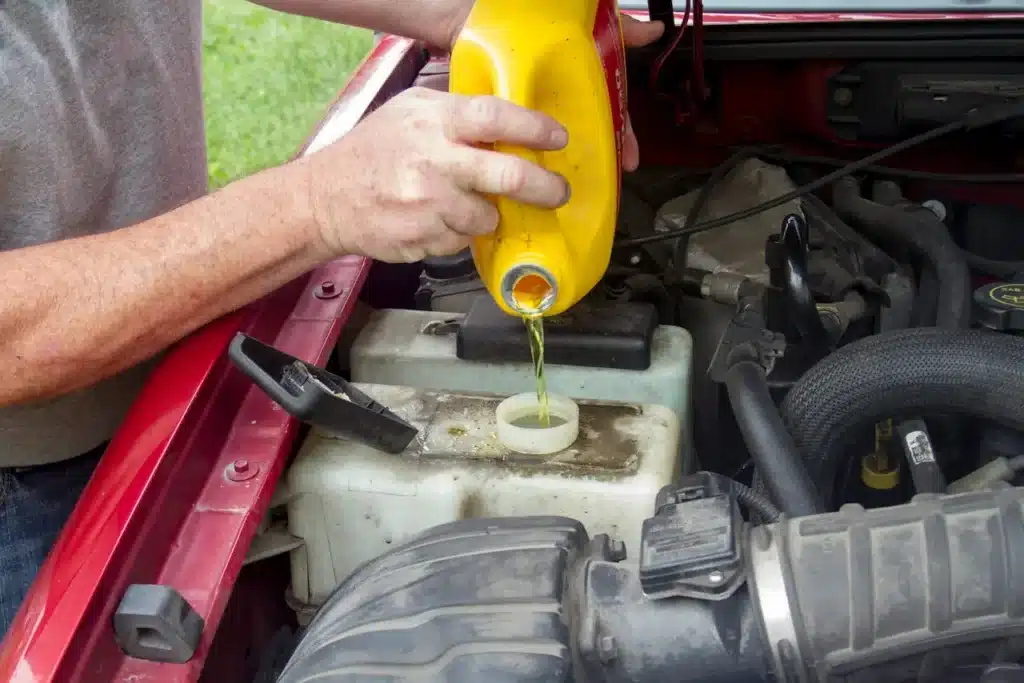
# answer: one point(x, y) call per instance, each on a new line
point(813, 310)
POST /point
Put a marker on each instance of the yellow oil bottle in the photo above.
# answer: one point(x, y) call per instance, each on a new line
point(565, 59)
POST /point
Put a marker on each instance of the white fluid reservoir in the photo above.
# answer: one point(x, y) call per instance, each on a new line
point(418, 349)
point(350, 503)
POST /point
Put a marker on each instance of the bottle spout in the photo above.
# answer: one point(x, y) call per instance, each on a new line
point(529, 289)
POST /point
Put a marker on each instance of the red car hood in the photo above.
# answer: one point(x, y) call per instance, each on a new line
point(160, 508)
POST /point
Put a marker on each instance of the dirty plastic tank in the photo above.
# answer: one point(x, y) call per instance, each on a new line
point(418, 349)
point(565, 59)
point(350, 503)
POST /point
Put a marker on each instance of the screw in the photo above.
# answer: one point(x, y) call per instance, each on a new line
point(843, 97)
point(327, 290)
point(241, 470)
point(634, 260)
point(716, 577)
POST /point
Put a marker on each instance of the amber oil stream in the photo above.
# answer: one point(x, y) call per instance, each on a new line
point(535, 330)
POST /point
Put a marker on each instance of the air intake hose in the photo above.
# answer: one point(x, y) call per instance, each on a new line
point(900, 225)
point(906, 372)
point(933, 590)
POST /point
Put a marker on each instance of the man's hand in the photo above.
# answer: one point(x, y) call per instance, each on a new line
point(409, 181)
point(635, 33)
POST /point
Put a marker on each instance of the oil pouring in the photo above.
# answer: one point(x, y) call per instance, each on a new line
point(550, 57)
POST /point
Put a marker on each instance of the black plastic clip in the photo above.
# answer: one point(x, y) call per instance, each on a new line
point(155, 623)
point(320, 398)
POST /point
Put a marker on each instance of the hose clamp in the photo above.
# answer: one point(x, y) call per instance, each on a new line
point(771, 593)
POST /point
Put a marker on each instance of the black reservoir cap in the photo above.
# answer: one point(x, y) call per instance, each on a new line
point(608, 335)
point(1000, 306)
point(450, 267)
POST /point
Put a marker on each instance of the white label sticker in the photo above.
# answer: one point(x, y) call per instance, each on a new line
point(919, 447)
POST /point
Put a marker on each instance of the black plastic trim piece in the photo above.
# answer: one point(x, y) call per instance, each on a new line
point(318, 397)
point(155, 623)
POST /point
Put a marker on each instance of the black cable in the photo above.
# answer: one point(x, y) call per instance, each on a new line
point(756, 502)
point(888, 171)
point(976, 119)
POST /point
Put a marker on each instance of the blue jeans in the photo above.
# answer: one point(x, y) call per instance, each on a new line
point(34, 504)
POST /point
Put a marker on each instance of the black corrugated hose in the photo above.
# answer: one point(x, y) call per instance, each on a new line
point(905, 372)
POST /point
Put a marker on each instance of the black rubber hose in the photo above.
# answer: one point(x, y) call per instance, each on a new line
point(922, 233)
point(973, 373)
point(1003, 269)
point(775, 455)
point(873, 261)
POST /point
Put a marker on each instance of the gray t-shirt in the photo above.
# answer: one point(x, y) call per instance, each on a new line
point(101, 126)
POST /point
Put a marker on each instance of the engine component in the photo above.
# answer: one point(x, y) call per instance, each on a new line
point(925, 590)
point(883, 101)
point(972, 373)
point(992, 473)
point(992, 239)
point(449, 283)
point(608, 335)
point(738, 248)
point(480, 599)
point(418, 349)
point(790, 307)
point(902, 225)
point(999, 306)
point(974, 120)
point(350, 502)
point(689, 547)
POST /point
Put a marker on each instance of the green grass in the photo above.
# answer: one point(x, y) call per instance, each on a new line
point(268, 79)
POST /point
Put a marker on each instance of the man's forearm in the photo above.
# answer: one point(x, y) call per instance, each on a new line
point(434, 21)
point(79, 310)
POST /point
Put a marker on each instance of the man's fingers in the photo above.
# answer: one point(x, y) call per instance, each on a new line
point(636, 33)
point(470, 214)
point(492, 119)
point(630, 148)
point(510, 176)
point(447, 244)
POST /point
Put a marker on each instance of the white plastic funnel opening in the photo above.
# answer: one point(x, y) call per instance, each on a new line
point(520, 430)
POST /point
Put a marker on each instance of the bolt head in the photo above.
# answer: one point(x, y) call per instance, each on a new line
point(716, 577)
point(327, 289)
point(241, 470)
